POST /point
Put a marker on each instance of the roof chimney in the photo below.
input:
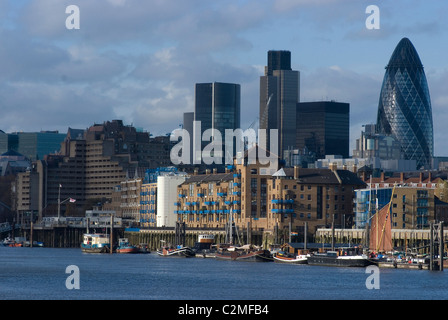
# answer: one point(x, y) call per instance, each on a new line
point(296, 172)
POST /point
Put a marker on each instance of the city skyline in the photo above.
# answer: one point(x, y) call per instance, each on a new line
point(140, 61)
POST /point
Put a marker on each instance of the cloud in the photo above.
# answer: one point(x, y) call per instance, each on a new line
point(139, 60)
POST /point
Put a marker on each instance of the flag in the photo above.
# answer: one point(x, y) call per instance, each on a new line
point(72, 200)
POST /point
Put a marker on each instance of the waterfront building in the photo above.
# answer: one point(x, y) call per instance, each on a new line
point(205, 200)
point(217, 106)
point(411, 207)
point(268, 202)
point(130, 196)
point(323, 127)
point(404, 109)
point(319, 197)
point(279, 95)
point(88, 167)
point(418, 198)
point(159, 196)
point(148, 205)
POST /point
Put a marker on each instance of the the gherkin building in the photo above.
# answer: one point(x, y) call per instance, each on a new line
point(404, 109)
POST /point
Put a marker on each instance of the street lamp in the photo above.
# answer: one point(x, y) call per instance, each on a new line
point(61, 202)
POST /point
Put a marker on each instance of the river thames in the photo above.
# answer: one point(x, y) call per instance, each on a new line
point(47, 274)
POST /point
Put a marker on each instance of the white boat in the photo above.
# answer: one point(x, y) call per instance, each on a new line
point(95, 243)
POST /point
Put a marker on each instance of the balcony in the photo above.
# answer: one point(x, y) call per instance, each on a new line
point(282, 210)
point(282, 201)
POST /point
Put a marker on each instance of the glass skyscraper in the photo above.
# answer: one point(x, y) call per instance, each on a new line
point(218, 106)
point(279, 95)
point(404, 109)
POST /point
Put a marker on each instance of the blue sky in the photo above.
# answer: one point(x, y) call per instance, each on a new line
point(139, 60)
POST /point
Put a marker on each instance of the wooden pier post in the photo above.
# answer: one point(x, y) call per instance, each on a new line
point(31, 234)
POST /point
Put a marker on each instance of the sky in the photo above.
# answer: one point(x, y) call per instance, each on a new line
point(139, 60)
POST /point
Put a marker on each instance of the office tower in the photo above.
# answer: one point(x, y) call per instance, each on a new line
point(8, 141)
point(279, 95)
point(188, 126)
point(404, 109)
point(35, 145)
point(323, 128)
point(217, 106)
point(374, 145)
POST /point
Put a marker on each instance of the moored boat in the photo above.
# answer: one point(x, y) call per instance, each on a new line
point(143, 248)
point(179, 251)
point(205, 247)
point(344, 257)
point(243, 253)
point(95, 243)
point(125, 247)
point(282, 257)
point(16, 242)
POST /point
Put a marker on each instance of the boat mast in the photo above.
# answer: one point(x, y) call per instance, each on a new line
point(231, 227)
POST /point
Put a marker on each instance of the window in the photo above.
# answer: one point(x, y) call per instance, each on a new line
point(210, 189)
point(263, 197)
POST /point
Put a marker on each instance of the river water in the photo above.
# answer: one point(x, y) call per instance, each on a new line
point(43, 274)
